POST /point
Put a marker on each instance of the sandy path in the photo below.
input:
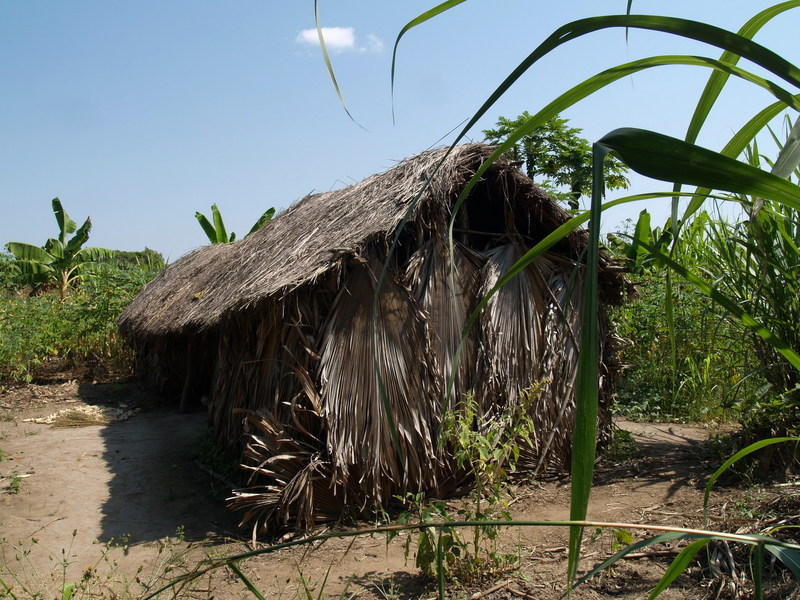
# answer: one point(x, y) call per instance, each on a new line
point(138, 477)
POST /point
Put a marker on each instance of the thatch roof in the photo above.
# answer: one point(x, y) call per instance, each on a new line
point(314, 236)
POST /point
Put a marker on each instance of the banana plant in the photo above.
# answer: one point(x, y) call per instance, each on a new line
point(61, 260)
point(216, 232)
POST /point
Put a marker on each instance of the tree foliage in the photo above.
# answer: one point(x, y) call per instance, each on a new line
point(60, 261)
point(556, 157)
point(215, 229)
point(147, 259)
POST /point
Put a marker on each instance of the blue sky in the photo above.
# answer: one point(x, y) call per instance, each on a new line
point(139, 114)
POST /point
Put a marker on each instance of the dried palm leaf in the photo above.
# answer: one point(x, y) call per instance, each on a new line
point(447, 299)
point(511, 329)
point(291, 484)
point(361, 339)
point(555, 408)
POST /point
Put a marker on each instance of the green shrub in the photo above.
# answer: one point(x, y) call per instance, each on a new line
point(9, 274)
point(712, 372)
point(81, 329)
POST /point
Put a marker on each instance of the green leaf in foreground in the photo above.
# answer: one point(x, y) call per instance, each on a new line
point(788, 556)
point(669, 159)
point(664, 537)
point(233, 566)
point(586, 384)
point(419, 20)
point(678, 566)
point(739, 455)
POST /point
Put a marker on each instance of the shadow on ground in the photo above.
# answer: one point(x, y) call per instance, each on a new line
point(155, 488)
point(678, 455)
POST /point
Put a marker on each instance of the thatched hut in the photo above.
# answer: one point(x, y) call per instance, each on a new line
point(324, 342)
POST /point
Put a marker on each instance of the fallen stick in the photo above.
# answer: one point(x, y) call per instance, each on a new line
point(520, 593)
point(492, 589)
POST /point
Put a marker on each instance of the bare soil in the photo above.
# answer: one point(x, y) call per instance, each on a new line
point(105, 504)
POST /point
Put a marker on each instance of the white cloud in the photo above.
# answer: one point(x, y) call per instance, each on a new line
point(340, 39)
point(337, 39)
point(373, 43)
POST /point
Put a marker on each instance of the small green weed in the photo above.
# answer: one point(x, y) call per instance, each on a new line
point(622, 446)
point(619, 538)
point(20, 576)
point(488, 449)
point(431, 542)
point(14, 479)
point(386, 589)
point(215, 458)
point(14, 482)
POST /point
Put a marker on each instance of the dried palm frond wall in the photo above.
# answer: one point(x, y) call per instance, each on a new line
point(307, 380)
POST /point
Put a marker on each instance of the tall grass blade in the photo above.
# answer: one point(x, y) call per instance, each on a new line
point(757, 570)
point(567, 99)
point(669, 159)
point(788, 556)
point(702, 32)
point(672, 533)
point(643, 231)
point(678, 566)
point(427, 15)
point(669, 314)
point(733, 459)
point(250, 586)
point(735, 146)
point(328, 64)
point(718, 79)
point(439, 564)
point(8, 590)
point(789, 156)
point(664, 537)
point(586, 385)
point(581, 91)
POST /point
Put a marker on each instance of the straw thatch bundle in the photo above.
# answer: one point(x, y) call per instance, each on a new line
point(320, 365)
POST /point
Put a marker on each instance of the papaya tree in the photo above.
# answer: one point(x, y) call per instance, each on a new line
point(557, 157)
point(216, 232)
point(60, 261)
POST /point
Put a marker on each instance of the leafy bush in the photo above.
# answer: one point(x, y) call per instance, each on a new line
point(755, 262)
point(717, 361)
point(9, 273)
point(712, 371)
point(81, 329)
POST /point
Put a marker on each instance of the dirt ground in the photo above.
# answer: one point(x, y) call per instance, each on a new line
point(120, 505)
